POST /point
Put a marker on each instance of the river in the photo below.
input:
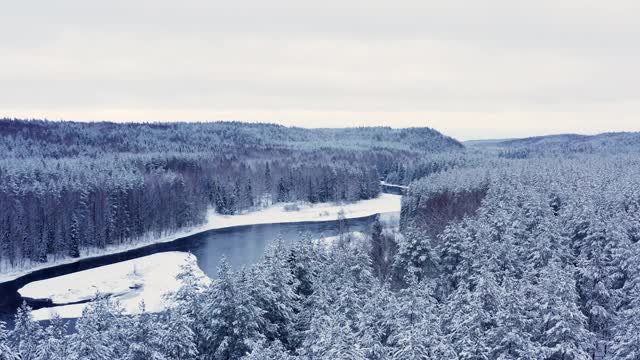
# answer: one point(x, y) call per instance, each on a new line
point(241, 245)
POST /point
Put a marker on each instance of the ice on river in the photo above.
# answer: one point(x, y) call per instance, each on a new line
point(147, 278)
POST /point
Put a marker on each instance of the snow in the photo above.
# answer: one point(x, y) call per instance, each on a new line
point(147, 278)
point(385, 203)
point(384, 183)
point(354, 237)
point(390, 222)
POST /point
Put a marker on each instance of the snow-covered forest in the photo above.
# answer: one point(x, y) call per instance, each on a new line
point(535, 256)
point(71, 188)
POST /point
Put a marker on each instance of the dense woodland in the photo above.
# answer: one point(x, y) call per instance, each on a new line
point(67, 189)
point(564, 144)
point(533, 257)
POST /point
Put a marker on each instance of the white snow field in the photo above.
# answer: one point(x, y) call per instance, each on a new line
point(147, 278)
point(385, 203)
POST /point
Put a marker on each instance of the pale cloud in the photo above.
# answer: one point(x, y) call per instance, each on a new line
point(470, 69)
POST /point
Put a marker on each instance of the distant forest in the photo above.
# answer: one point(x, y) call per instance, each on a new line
point(67, 188)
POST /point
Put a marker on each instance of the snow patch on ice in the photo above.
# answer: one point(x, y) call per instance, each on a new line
point(147, 278)
point(384, 183)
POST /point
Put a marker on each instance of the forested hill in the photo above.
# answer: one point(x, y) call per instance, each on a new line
point(614, 142)
point(497, 255)
point(22, 138)
point(68, 188)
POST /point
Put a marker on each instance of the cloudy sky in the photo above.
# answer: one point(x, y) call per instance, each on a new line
point(472, 69)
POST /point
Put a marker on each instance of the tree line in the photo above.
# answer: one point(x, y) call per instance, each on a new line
point(67, 188)
point(69, 207)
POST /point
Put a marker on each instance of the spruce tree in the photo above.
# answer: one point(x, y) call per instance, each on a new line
point(6, 352)
point(27, 333)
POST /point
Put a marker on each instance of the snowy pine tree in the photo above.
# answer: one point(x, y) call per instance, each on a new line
point(27, 333)
point(143, 340)
point(232, 317)
point(100, 334)
point(6, 352)
point(55, 344)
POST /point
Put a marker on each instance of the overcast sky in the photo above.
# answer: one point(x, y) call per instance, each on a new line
point(471, 69)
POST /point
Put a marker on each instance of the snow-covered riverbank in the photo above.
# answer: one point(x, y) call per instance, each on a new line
point(145, 279)
point(149, 279)
point(385, 203)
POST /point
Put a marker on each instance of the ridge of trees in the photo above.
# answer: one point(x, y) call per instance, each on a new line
point(564, 145)
point(68, 188)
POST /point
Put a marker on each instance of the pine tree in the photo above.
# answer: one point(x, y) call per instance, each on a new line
point(311, 193)
point(597, 271)
point(469, 319)
point(382, 251)
point(376, 323)
point(74, 237)
point(343, 342)
point(27, 333)
point(99, 332)
point(268, 183)
point(248, 195)
point(142, 338)
point(6, 352)
point(511, 338)
point(625, 344)
point(414, 256)
point(55, 343)
point(189, 308)
point(273, 286)
point(416, 332)
point(343, 226)
point(177, 339)
point(232, 318)
point(564, 326)
point(282, 191)
point(331, 336)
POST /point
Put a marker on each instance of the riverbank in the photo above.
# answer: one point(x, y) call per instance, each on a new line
point(149, 278)
point(279, 213)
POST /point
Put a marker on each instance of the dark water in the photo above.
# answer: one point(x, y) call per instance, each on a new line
point(241, 245)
